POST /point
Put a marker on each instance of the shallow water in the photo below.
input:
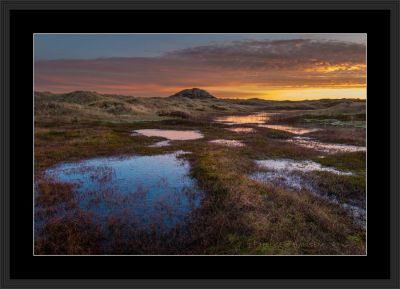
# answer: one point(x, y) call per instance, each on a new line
point(257, 118)
point(171, 134)
point(260, 120)
point(292, 175)
point(148, 190)
point(291, 129)
point(288, 165)
point(289, 173)
point(287, 180)
point(163, 143)
point(242, 129)
point(325, 147)
point(228, 142)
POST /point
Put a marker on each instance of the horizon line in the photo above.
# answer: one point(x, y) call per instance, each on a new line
point(220, 98)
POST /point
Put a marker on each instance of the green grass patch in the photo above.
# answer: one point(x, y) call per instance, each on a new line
point(336, 122)
point(355, 161)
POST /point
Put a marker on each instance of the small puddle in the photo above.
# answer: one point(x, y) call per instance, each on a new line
point(147, 190)
point(170, 134)
point(291, 174)
point(287, 165)
point(286, 180)
point(257, 118)
point(159, 144)
point(242, 129)
point(325, 147)
point(228, 142)
point(291, 129)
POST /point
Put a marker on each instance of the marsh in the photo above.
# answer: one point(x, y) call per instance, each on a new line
point(196, 185)
point(200, 144)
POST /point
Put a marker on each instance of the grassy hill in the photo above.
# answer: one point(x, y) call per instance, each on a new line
point(87, 105)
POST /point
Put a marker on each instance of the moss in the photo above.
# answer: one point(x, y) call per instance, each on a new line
point(355, 161)
point(274, 134)
point(357, 239)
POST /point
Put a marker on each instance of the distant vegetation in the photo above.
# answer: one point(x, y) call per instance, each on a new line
point(86, 105)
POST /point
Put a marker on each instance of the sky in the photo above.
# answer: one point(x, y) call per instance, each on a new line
point(266, 66)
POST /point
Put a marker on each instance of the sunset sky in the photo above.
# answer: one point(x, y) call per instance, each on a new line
point(267, 66)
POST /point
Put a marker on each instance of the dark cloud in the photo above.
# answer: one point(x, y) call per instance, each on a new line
point(279, 54)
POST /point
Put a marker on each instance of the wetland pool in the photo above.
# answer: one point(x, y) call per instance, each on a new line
point(148, 190)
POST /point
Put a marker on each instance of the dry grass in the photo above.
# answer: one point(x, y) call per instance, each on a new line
point(341, 135)
point(237, 215)
point(73, 234)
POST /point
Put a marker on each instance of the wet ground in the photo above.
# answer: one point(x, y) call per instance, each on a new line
point(330, 148)
point(149, 190)
point(157, 190)
point(291, 129)
point(256, 118)
point(261, 120)
point(228, 142)
point(242, 129)
point(293, 175)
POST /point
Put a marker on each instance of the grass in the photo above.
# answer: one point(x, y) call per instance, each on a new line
point(83, 141)
point(336, 122)
point(347, 189)
point(75, 234)
point(53, 134)
point(350, 136)
point(352, 115)
point(237, 215)
point(355, 161)
point(320, 117)
point(240, 216)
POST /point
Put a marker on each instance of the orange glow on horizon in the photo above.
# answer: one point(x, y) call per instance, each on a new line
point(229, 92)
point(291, 93)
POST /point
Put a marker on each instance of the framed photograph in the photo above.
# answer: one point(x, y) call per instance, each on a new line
point(168, 144)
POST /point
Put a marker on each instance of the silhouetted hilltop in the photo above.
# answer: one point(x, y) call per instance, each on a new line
point(194, 93)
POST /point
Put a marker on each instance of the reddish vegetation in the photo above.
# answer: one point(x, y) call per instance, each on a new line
point(341, 135)
point(237, 215)
point(75, 234)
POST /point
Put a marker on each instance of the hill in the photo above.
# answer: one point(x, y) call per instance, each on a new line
point(188, 103)
point(194, 93)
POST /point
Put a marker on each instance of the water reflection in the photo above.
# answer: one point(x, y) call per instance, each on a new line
point(171, 134)
point(291, 129)
point(295, 176)
point(257, 118)
point(228, 142)
point(325, 147)
point(242, 129)
point(288, 165)
point(148, 190)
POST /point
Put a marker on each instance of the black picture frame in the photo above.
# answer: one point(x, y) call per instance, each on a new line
point(8, 281)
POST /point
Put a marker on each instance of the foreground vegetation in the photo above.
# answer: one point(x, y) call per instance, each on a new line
point(238, 215)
